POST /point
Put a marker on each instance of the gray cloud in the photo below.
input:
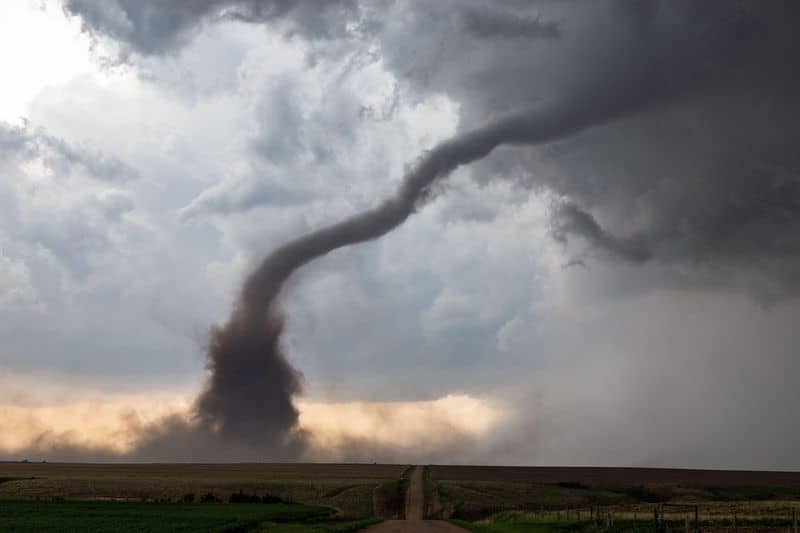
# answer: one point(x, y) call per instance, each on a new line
point(238, 195)
point(155, 27)
point(703, 168)
point(23, 143)
point(570, 219)
point(489, 23)
point(689, 379)
point(690, 159)
point(74, 212)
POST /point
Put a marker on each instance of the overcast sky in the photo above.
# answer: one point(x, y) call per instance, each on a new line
point(626, 294)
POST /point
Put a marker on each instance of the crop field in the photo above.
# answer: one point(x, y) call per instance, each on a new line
point(346, 497)
point(499, 499)
point(516, 521)
point(348, 489)
point(597, 477)
point(137, 516)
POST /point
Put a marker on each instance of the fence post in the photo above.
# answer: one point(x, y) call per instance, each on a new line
point(794, 519)
point(655, 515)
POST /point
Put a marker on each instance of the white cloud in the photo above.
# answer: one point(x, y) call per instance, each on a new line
point(38, 48)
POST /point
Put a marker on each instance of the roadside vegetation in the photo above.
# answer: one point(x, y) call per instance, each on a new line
point(482, 508)
point(622, 521)
point(495, 505)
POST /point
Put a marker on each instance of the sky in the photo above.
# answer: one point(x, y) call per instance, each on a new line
point(616, 285)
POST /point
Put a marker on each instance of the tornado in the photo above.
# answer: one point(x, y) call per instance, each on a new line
point(249, 393)
point(251, 384)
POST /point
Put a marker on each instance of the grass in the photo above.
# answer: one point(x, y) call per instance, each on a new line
point(10, 479)
point(520, 521)
point(516, 521)
point(326, 527)
point(390, 498)
point(477, 499)
point(352, 497)
point(347, 488)
point(754, 493)
point(152, 517)
point(500, 507)
point(474, 500)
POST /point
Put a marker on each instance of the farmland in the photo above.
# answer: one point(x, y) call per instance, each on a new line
point(194, 497)
point(515, 499)
point(138, 516)
point(345, 497)
point(348, 489)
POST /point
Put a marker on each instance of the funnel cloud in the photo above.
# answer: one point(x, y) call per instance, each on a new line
point(249, 394)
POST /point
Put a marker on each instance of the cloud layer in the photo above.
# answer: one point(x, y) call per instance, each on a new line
point(253, 122)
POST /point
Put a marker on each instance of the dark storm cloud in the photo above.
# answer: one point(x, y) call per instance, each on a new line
point(703, 167)
point(23, 143)
point(487, 23)
point(158, 26)
point(570, 219)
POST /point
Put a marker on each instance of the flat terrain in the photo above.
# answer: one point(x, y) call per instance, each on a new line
point(349, 489)
point(129, 516)
point(345, 497)
point(194, 470)
point(599, 477)
point(498, 499)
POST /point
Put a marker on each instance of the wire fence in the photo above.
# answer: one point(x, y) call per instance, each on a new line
point(706, 517)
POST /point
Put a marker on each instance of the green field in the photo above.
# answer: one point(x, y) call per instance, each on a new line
point(345, 497)
point(353, 491)
point(156, 517)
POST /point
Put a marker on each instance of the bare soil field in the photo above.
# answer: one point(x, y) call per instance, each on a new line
point(600, 477)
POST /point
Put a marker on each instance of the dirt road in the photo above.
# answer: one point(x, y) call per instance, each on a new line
point(415, 506)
